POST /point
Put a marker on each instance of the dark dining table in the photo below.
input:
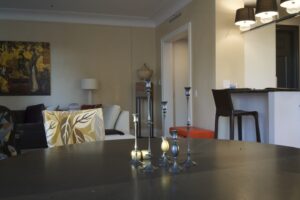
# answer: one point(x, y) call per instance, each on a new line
point(225, 170)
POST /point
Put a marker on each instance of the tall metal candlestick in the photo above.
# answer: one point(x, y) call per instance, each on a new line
point(188, 162)
point(149, 168)
point(164, 107)
point(135, 121)
point(135, 154)
point(164, 161)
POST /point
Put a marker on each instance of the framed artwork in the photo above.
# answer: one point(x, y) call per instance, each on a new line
point(24, 68)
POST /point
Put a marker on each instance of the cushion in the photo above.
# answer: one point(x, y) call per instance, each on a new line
point(111, 114)
point(52, 108)
point(33, 114)
point(194, 132)
point(86, 107)
point(71, 127)
point(113, 132)
point(74, 106)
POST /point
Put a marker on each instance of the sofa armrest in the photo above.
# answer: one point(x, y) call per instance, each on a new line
point(122, 123)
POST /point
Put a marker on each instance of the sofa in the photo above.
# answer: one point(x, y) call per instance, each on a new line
point(30, 133)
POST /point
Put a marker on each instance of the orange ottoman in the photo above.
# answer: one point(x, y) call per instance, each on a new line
point(194, 132)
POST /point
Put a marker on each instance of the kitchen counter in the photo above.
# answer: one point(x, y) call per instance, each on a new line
point(279, 115)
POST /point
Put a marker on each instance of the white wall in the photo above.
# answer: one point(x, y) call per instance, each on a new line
point(260, 57)
point(229, 44)
point(201, 14)
point(108, 53)
point(181, 80)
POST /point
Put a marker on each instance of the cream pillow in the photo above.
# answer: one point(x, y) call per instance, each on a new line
point(72, 127)
point(111, 114)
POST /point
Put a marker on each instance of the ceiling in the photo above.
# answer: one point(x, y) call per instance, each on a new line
point(137, 9)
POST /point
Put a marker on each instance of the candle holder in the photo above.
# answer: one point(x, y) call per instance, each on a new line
point(164, 160)
point(136, 155)
point(149, 168)
point(188, 162)
point(175, 168)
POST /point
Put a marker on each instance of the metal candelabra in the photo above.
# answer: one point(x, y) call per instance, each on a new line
point(164, 161)
point(149, 168)
point(188, 162)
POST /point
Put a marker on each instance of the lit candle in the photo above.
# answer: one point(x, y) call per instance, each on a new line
point(136, 155)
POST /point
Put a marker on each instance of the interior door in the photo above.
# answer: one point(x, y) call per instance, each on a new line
point(287, 56)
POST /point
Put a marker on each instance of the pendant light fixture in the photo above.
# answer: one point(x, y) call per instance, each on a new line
point(244, 18)
point(291, 6)
point(266, 10)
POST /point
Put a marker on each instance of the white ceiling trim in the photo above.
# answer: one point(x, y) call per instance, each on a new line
point(166, 13)
point(92, 18)
point(74, 17)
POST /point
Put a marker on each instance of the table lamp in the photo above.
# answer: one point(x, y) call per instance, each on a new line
point(89, 84)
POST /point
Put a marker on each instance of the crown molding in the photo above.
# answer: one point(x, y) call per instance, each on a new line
point(165, 13)
point(74, 17)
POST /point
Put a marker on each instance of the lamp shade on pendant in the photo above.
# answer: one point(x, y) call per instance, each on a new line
point(266, 10)
point(89, 84)
point(291, 6)
point(244, 18)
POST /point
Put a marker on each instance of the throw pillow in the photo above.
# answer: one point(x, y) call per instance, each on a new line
point(111, 114)
point(33, 114)
point(71, 127)
point(86, 107)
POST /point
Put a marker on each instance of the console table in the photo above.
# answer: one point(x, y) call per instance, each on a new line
point(101, 170)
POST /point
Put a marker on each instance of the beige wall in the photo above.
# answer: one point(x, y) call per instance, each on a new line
point(229, 44)
point(260, 57)
point(109, 54)
point(201, 14)
point(181, 80)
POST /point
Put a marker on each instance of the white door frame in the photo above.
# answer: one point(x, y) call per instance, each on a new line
point(167, 71)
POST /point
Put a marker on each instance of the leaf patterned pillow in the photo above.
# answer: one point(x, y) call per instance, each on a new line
point(73, 127)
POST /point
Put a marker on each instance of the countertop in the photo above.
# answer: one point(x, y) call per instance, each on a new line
point(266, 90)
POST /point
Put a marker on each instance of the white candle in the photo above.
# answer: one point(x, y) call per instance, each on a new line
point(135, 118)
point(165, 145)
point(136, 155)
point(145, 155)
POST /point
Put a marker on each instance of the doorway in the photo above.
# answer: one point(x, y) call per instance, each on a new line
point(176, 71)
point(287, 56)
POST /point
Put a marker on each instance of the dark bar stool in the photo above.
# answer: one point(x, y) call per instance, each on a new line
point(224, 107)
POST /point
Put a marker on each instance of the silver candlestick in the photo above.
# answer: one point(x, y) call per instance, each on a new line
point(175, 168)
point(188, 162)
point(149, 168)
point(135, 154)
point(164, 161)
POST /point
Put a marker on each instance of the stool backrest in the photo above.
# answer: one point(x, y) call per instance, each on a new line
point(223, 102)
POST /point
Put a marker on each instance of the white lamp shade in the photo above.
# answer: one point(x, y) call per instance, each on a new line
point(89, 84)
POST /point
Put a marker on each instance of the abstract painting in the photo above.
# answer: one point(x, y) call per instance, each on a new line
point(24, 68)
